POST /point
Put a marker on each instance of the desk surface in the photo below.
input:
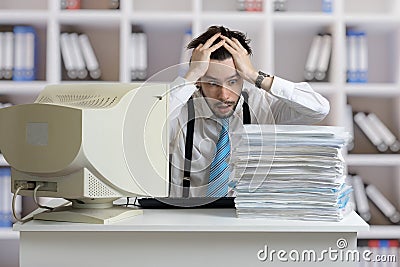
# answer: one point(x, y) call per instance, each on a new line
point(200, 220)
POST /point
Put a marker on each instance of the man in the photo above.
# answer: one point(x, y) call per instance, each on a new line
point(213, 86)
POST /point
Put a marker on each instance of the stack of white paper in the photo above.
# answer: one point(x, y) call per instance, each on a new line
point(290, 172)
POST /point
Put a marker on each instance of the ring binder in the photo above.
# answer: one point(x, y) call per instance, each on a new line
point(387, 136)
point(383, 203)
point(66, 53)
point(77, 57)
point(24, 53)
point(324, 57)
point(89, 56)
point(365, 125)
point(360, 197)
point(312, 59)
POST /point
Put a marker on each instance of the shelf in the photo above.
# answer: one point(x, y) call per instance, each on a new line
point(15, 17)
point(372, 89)
point(232, 15)
point(373, 159)
point(373, 22)
point(303, 18)
point(157, 17)
point(109, 18)
point(381, 232)
point(6, 233)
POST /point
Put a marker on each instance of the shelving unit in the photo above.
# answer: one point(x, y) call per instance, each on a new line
point(280, 41)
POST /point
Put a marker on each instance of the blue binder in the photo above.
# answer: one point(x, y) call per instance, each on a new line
point(25, 53)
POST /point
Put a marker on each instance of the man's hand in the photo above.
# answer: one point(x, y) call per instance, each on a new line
point(241, 59)
point(201, 58)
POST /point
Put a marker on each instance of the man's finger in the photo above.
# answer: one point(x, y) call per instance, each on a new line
point(236, 41)
point(210, 41)
point(216, 46)
point(231, 42)
point(230, 49)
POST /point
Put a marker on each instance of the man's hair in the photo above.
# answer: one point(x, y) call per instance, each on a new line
point(221, 53)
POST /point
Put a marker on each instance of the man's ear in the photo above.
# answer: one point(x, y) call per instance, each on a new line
point(198, 85)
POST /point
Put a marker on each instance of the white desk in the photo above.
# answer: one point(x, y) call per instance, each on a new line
point(200, 237)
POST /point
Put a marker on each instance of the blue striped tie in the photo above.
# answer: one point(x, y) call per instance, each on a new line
point(219, 169)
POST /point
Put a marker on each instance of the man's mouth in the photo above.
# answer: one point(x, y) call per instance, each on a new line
point(225, 107)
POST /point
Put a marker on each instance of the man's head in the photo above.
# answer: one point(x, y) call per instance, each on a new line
point(222, 84)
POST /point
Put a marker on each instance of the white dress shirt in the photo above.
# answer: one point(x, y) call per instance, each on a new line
point(285, 103)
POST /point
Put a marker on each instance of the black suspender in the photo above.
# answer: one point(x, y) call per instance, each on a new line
point(188, 148)
point(189, 138)
point(246, 109)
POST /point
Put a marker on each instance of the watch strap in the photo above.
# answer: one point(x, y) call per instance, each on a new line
point(260, 78)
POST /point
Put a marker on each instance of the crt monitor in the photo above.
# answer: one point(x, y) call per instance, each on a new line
point(90, 144)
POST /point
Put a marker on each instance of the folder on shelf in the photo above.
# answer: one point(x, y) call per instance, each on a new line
point(6, 53)
point(70, 4)
point(349, 126)
point(357, 56)
point(2, 55)
point(360, 197)
point(67, 54)
point(138, 54)
point(249, 5)
point(114, 4)
point(312, 58)
point(280, 5)
point(77, 56)
point(89, 56)
point(387, 136)
point(318, 57)
point(383, 204)
point(324, 57)
point(6, 219)
point(362, 72)
point(362, 121)
point(241, 5)
point(351, 56)
point(25, 53)
point(327, 6)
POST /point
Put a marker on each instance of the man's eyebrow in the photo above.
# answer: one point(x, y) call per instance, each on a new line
point(210, 77)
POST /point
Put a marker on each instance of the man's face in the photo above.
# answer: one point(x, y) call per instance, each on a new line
point(221, 86)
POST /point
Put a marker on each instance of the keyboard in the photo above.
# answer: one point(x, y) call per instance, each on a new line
point(187, 203)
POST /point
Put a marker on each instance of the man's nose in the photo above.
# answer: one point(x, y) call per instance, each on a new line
point(224, 93)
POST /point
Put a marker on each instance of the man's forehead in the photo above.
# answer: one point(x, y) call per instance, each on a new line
point(218, 69)
point(221, 76)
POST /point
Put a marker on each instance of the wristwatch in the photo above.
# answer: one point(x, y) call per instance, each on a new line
point(260, 78)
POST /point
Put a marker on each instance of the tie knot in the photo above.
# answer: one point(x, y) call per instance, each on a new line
point(225, 123)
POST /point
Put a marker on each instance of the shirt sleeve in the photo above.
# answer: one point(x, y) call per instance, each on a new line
point(296, 103)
